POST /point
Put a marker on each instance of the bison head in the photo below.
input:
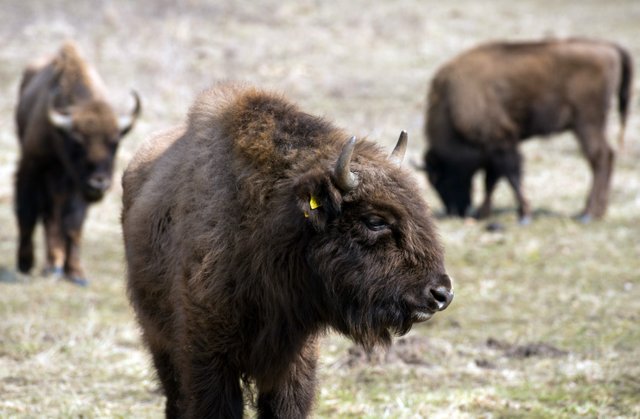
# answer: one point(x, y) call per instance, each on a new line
point(374, 248)
point(451, 181)
point(90, 134)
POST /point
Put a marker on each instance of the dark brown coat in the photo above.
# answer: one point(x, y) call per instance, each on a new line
point(483, 103)
point(68, 137)
point(234, 270)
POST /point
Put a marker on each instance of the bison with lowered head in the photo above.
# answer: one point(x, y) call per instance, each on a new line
point(68, 137)
point(251, 230)
point(483, 103)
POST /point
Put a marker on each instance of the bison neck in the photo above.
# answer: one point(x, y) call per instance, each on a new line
point(264, 300)
point(282, 319)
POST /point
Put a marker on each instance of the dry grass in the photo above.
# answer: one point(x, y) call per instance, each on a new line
point(69, 352)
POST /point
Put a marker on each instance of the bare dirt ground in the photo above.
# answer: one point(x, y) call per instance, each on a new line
point(545, 319)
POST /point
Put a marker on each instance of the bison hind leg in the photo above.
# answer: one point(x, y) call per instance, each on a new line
point(600, 157)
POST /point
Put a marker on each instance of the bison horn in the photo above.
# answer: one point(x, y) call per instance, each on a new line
point(345, 179)
point(57, 118)
point(125, 122)
point(397, 155)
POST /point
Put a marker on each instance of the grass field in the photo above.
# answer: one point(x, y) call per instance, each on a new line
point(545, 319)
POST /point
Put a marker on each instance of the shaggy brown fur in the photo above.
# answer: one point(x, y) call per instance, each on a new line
point(487, 100)
point(233, 273)
point(68, 137)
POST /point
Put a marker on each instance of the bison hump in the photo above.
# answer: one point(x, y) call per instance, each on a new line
point(266, 131)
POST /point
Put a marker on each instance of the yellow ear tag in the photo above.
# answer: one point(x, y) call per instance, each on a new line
point(313, 204)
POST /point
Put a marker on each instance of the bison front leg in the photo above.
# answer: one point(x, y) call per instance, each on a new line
point(506, 163)
point(169, 381)
point(294, 397)
point(54, 236)
point(600, 157)
point(27, 205)
point(490, 180)
point(211, 389)
point(73, 220)
point(511, 166)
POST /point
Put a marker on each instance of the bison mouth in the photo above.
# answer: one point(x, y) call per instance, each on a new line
point(92, 194)
point(374, 324)
point(420, 316)
point(430, 300)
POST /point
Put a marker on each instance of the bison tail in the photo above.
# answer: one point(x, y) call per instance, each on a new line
point(624, 91)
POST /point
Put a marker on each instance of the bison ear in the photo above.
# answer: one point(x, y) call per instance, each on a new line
point(317, 199)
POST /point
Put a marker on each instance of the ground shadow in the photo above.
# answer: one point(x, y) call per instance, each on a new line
point(500, 212)
point(10, 276)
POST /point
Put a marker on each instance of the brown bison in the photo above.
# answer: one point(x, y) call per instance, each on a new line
point(487, 100)
point(68, 139)
point(253, 229)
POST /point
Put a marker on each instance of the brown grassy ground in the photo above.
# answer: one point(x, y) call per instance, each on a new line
point(545, 320)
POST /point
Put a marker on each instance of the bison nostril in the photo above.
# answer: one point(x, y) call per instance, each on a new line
point(443, 297)
point(100, 183)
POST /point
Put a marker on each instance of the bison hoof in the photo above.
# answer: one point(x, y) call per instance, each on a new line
point(482, 213)
point(25, 263)
point(494, 227)
point(525, 220)
point(81, 282)
point(585, 218)
point(54, 271)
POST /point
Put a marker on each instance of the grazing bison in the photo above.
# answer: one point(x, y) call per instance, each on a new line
point(68, 139)
point(253, 229)
point(487, 100)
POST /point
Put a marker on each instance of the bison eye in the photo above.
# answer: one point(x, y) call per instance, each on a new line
point(375, 223)
point(72, 137)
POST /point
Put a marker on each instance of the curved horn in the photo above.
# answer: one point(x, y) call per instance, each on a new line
point(57, 118)
point(397, 155)
point(345, 179)
point(125, 122)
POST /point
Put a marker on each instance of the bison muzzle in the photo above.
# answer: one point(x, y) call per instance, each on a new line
point(251, 230)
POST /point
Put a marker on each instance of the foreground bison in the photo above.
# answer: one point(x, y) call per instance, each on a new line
point(68, 139)
point(251, 230)
point(487, 100)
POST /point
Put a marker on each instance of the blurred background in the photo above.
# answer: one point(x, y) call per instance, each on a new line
point(545, 319)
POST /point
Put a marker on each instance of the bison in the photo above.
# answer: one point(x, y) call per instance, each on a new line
point(254, 228)
point(68, 136)
point(483, 103)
